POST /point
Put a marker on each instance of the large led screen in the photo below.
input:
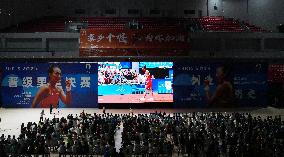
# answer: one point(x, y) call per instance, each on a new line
point(135, 82)
point(39, 85)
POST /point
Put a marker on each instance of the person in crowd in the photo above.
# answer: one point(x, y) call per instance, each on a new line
point(41, 115)
point(50, 108)
point(104, 110)
point(131, 111)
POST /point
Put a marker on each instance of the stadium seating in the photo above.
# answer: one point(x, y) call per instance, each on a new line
point(207, 24)
point(46, 24)
point(254, 28)
point(221, 24)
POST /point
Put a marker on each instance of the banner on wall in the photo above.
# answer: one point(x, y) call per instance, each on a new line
point(26, 85)
point(189, 83)
point(132, 52)
point(99, 41)
point(94, 38)
point(250, 83)
point(220, 84)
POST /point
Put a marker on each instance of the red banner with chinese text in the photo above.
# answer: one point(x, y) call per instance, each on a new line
point(93, 40)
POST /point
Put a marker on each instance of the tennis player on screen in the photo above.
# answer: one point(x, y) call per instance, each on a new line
point(50, 94)
point(148, 85)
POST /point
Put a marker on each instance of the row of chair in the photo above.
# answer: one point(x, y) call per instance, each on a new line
point(58, 24)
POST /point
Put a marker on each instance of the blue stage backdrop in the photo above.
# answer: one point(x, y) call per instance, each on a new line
point(248, 81)
point(21, 82)
point(189, 83)
point(250, 84)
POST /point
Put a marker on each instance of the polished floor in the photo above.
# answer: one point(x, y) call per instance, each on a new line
point(13, 118)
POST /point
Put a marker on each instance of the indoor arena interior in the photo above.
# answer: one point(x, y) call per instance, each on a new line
point(148, 78)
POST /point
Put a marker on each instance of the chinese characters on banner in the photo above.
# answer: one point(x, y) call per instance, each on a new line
point(92, 40)
point(22, 81)
point(189, 83)
point(27, 82)
point(248, 80)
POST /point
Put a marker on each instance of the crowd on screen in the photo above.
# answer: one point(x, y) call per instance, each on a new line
point(119, 76)
point(194, 134)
